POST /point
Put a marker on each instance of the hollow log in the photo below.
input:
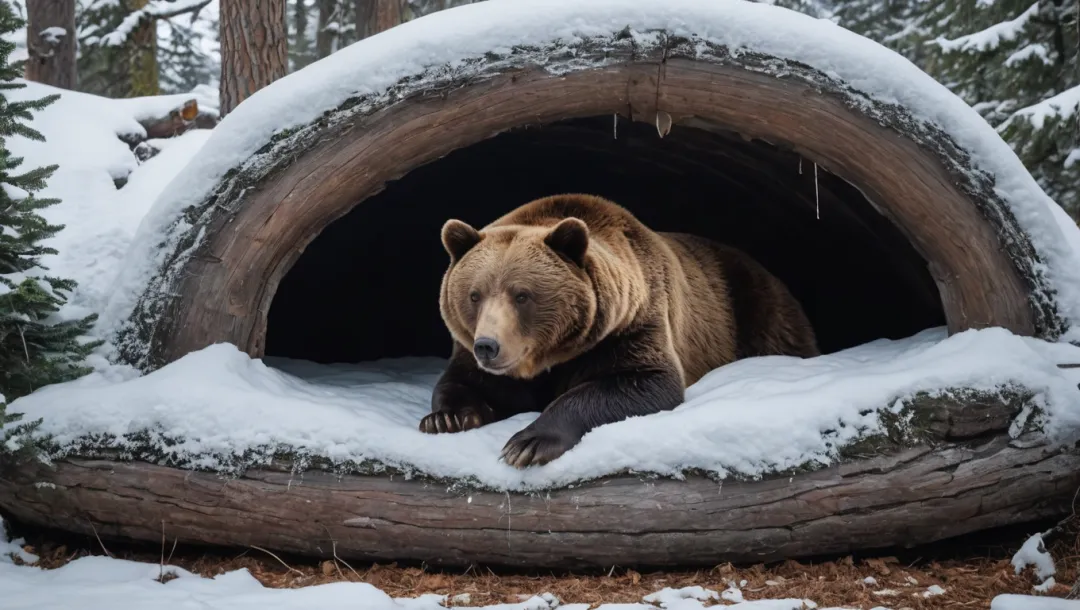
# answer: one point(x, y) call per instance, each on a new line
point(943, 467)
point(916, 496)
point(959, 471)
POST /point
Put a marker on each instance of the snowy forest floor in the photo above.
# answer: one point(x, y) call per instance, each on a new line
point(971, 572)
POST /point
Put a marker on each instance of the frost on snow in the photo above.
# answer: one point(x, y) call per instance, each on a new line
point(1033, 553)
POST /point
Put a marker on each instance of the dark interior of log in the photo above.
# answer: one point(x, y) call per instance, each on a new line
point(367, 286)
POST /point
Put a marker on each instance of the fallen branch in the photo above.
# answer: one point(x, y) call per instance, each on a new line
point(287, 566)
point(178, 121)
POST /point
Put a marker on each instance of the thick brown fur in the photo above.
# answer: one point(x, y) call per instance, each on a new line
point(594, 318)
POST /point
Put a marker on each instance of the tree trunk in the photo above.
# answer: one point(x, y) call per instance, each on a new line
point(324, 38)
point(254, 48)
point(52, 53)
point(301, 46)
point(365, 18)
point(143, 66)
point(387, 14)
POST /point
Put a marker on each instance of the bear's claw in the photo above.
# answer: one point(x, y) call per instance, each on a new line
point(448, 421)
point(532, 447)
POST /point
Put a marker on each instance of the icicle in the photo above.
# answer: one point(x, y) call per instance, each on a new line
point(615, 127)
point(800, 165)
point(817, 198)
point(663, 123)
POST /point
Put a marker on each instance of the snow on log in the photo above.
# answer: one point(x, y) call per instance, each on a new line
point(889, 496)
point(265, 209)
point(746, 97)
point(175, 122)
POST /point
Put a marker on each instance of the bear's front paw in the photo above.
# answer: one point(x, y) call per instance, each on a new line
point(452, 421)
point(535, 447)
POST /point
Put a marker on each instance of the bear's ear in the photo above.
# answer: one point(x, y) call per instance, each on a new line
point(571, 239)
point(458, 238)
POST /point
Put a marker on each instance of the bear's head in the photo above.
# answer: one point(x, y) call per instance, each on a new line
point(518, 297)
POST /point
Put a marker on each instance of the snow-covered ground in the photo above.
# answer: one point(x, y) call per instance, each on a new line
point(103, 583)
point(81, 137)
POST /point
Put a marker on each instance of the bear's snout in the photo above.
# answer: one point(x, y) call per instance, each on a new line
point(486, 349)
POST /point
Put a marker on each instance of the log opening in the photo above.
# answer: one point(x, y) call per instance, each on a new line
point(367, 287)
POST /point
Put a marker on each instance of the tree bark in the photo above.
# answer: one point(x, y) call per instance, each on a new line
point(52, 54)
point(324, 39)
point(917, 496)
point(143, 65)
point(365, 18)
point(387, 14)
point(254, 48)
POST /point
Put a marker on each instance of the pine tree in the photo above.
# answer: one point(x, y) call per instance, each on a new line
point(301, 51)
point(130, 48)
point(814, 8)
point(186, 47)
point(896, 24)
point(34, 350)
point(1017, 63)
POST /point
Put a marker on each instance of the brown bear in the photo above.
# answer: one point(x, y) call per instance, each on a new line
point(571, 306)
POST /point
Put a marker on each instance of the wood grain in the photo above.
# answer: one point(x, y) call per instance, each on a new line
point(913, 497)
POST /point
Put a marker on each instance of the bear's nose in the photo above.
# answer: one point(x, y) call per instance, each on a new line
point(486, 349)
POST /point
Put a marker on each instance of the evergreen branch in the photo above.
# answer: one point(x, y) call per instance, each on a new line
point(154, 13)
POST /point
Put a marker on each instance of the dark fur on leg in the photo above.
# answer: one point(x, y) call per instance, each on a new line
point(466, 397)
point(589, 405)
point(597, 394)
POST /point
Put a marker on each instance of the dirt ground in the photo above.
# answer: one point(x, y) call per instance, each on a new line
point(971, 574)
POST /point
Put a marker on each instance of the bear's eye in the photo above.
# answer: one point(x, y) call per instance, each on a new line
point(474, 296)
point(521, 297)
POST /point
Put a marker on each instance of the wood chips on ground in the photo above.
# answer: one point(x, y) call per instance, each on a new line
point(850, 583)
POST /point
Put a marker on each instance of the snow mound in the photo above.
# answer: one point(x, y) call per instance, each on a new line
point(752, 417)
point(1032, 602)
point(82, 137)
point(1033, 553)
point(446, 43)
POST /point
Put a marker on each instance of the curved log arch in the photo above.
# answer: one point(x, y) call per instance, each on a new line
point(223, 272)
